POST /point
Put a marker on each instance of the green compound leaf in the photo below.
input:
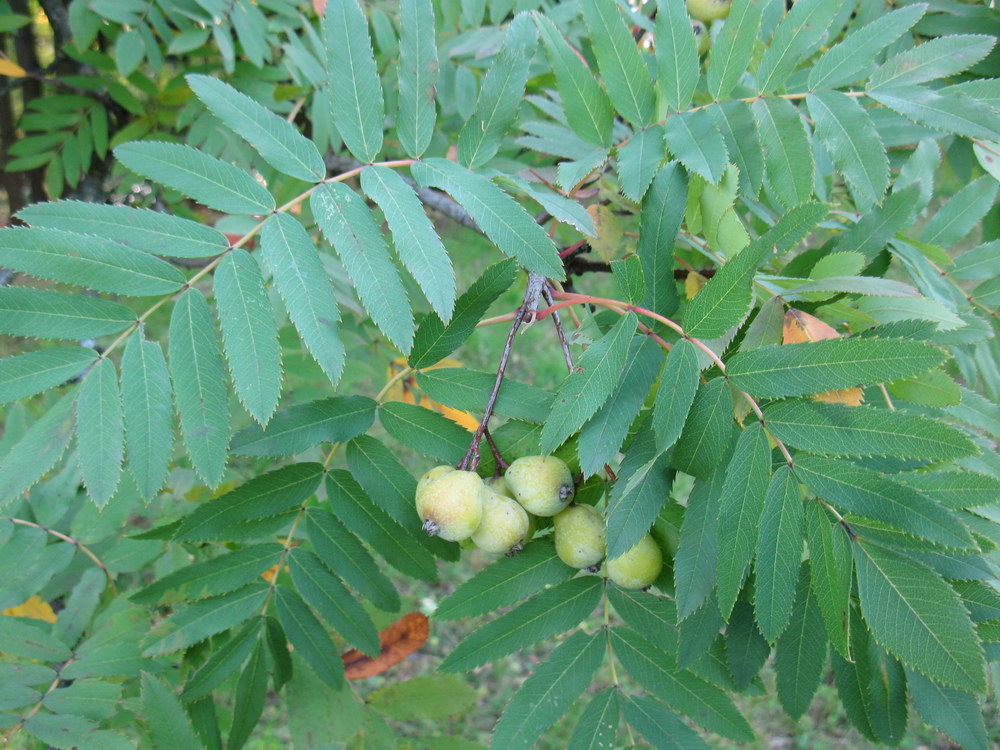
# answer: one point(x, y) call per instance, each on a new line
point(344, 553)
point(418, 75)
point(142, 228)
point(743, 499)
point(325, 593)
point(266, 495)
point(220, 575)
point(506, 581)
point(500, 94)
point(801, 651)
point(309, 637)
point(957, 713)
point(733, 48)
point(425, 431)
point(399, 547)
point(831, 568)
point(798, 35)
point(698, 546)
point(435, 339)
point(278, 141)
point(148, 412)
point(549, 613)
point(392, 487)
point(779, 550)
point(676, 56)
point(24, 375)
point(199, 379)
point(848, 60)
point(598, 726)
point(42, 314)
point(850, 137)
point(704, 703)
point(675, 393)
point(168, 724)
point(210, 181)
point(694, 139)
point(249, 334)
point(100, 432)
point(625, 73)
point(588, 108)
point(918, 618)
point(836, 429)
point(661, 727)
point(469, 390)
point(604, 433)
point(349, 226)
point(501, 218)
point(662, 212)
point(416, 241)
point(356, 92)
point(787, 152)
point(819, 366)
point(708, 431)
point(856, 489)
point(293, 430)
point(88, 261)
point(303, 285)
point(203, 618)
point(586, 389)
point(550, 690)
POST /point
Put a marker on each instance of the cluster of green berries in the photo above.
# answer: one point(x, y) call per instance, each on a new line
point(704, 12)
point(498, 516)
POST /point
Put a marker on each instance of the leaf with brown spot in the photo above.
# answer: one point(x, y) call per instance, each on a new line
point(399, 640)
point(800, 327)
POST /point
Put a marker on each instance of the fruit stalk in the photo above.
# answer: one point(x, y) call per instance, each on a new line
point(526, 312)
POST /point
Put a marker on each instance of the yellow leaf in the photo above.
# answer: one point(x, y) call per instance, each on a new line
point(7, 68)
point(34, 608)
point(609, 242)
point(693, 284)
point(799, 327)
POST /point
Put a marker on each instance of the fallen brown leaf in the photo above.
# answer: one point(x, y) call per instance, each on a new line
point(399, 640)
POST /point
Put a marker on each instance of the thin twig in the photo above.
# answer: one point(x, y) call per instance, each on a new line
point(526, 312)
point(498, 459)
point(75, 542)
point(560, 331)
point(37, 707)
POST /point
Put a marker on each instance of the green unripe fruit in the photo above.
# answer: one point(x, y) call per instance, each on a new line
point(638, 567)
point(542, 484)
point(702, 39)
point(499, 486)
point(504, 526)
point(436, 473)
point(708, 10)
point(451, 505)
point(579, 534)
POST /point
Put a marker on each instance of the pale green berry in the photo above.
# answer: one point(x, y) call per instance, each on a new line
point(451, 506)
point(709, 10)
point(432, 474)
point(504, 525)
point(579, 535)
point(542, 484)
point(638, 567)
point(499, 486)
point(702, 39)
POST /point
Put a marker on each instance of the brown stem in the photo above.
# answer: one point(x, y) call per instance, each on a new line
point(526, 312)
point(498, 459)
point(560, 331)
